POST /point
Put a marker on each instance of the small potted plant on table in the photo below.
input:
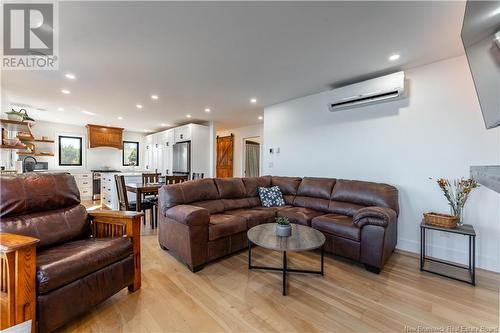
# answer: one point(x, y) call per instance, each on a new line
point(283, 227)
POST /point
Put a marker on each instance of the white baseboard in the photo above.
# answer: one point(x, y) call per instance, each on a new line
point(485, 262)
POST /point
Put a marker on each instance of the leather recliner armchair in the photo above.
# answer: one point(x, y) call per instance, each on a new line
point(57, 259)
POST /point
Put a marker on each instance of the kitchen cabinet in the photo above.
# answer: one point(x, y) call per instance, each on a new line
point(109, 194)
point(84, 184)
point(159, 149)
point(164, 142)
point(183, 133)
point(148, 153)
point(104, 136)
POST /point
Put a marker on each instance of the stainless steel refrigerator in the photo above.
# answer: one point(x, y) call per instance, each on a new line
point(182, 158)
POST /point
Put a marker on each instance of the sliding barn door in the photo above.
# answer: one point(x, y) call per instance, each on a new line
point(225, 147)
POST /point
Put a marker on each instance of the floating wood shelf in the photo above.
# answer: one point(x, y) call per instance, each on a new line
point(12, 147)
point(32, 139)
point(14, 125)
point(24, 138)
point(34, 154)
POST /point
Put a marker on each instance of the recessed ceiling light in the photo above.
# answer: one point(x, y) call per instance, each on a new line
point(88, 113)
point(147, 131)
point(207, 110)
point(120, 118)
point(70, 76)
point(58, 119)
point(154, 96)
point(139, 106)
point(253, 100)
point(60, 109)
point(65, 91)
point(260, 117)
point(394, 57)
point(164, 125)
point(188, 116)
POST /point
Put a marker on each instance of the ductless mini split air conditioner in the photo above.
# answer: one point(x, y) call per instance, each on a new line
point(382, 89)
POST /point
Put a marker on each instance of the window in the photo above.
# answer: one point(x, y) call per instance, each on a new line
point(130, 153)
point(70, 150)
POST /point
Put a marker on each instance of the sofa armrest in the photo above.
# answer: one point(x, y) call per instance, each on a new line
point(114, 223)
point(379, 216)
point(18, 280)
point(189, 215)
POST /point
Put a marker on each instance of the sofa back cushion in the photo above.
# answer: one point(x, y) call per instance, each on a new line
point(44, 206)
point(200, 192)
point(253, 183)
point(314, 193)
point(316, 187)
point(230, 188)
point(288, 186)
point(233, 193)
point(365, 194)
point(251, 186)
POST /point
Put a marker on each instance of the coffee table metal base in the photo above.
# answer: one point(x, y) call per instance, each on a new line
point(285, 269)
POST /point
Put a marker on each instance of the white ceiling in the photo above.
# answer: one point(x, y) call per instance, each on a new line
point(220, 54)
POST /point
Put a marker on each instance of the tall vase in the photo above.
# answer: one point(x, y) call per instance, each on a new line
point(458, 212)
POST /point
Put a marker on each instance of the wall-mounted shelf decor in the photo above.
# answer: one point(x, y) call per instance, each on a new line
point(21, 129)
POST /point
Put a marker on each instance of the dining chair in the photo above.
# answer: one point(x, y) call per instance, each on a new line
point(147, 178)
point(151, 177)
point(124, 204)
point(197, 175)
point(176, 179)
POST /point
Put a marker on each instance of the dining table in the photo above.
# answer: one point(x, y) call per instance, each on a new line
point(141, 188)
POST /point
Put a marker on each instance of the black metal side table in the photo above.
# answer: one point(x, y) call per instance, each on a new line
point(465, 230)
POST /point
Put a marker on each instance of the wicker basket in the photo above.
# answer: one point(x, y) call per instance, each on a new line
point(441, 220)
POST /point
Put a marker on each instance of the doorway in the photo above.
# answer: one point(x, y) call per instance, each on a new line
point(251, 156)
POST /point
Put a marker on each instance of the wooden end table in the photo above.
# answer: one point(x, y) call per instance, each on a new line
point(302, 239)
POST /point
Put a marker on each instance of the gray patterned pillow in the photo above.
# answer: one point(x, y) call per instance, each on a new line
point(271, 196)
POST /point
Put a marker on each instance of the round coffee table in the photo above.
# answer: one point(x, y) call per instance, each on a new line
point(302, 239)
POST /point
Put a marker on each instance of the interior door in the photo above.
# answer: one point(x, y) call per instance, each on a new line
point(225, 150)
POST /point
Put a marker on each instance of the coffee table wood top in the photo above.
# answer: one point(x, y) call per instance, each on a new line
point(302, 239)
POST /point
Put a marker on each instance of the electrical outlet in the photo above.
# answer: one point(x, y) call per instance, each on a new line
point(271, 164)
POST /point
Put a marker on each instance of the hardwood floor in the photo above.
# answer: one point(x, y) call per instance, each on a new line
point(225, 296)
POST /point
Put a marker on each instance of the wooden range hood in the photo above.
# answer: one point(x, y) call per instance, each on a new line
point(105, 136)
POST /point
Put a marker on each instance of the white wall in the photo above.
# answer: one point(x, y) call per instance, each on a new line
point(240, 134)
point(93, 158)
point(437, 132)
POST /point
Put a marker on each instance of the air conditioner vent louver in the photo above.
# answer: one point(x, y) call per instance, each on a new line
point(382, 89)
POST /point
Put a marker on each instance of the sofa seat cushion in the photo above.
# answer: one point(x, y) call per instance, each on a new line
point(65, 263)
point(254, 216)
point(338, 225)
point(222, 225)
point(299, 215)
point(273, 209)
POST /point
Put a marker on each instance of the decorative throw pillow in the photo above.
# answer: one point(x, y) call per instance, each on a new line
point(271, 196)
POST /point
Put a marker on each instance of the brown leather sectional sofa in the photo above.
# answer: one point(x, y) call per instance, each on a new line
point(206, 219)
